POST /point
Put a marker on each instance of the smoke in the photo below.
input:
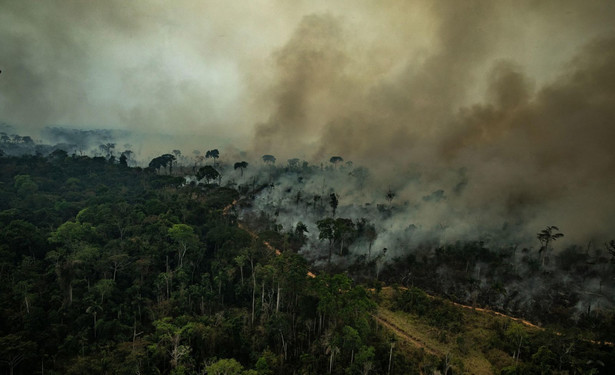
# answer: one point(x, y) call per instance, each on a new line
point(530, 127)
point(505, 107)
point(137, 66)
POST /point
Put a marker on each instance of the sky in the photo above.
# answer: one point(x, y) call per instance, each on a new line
point(516, 96)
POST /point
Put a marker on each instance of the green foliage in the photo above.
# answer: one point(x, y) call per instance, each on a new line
point(208, 173)
point(110, 269)
point(226, 367)
point(24, 185)
point(438, 313)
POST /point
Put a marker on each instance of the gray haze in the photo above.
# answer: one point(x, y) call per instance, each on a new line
point(509, 107)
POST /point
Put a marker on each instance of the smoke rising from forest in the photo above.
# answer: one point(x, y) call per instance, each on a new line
point(531, 148)
point(506, 107)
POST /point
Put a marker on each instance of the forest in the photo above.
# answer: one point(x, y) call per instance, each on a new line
point(195, 265)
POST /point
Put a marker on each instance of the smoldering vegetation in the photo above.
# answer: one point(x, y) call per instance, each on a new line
point(479, 151)
point(377, 235)
point(531, 147)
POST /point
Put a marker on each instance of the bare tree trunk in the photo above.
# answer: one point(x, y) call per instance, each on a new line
point(390, 358)
point(277, 303)
point(253, 293)
point(283, 344)
point(518, 350)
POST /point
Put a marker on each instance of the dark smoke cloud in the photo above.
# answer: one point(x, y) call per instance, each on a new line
point(536, 148)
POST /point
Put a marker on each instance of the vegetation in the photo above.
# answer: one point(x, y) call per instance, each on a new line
point(108, 269)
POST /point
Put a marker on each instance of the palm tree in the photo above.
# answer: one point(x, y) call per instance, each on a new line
point(546, 236)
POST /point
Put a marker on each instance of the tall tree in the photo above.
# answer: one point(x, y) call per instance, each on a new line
point(241, 165)
point(185, 238)
point(344, 232)
point(546, 236)
point(326, 228)
point(162, 161)
point(333, 202)
point(214, 154)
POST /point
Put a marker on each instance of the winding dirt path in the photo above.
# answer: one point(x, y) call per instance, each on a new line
point(404, 335)
point(493, 312)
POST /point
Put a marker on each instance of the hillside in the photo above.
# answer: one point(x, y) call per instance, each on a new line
point(482, 342)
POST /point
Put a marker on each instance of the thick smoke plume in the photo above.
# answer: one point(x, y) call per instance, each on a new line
point(506, 107)
point(533, 144)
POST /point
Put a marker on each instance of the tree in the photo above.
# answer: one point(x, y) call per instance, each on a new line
point(367, 231)
point(107, 149)
point(365, 360)
point(345, 232)
point(327, 232)
point(333, 202)
point(225, 367)
point(335, 160)
point(93, 308)
point(162, 161)
point(299, 234)
point(351, 339)
point(269, 159)
point(546, 236)
point(128, 154)
point(545, 360)
point(241, 165)
point(208, 172)
point(72, 238)
point(516, 334)
point(185, 238)
point(214, 154)
point(390, 196)
point(24, 185)
point(170, 334)
point(14, 349)
point(123, 160)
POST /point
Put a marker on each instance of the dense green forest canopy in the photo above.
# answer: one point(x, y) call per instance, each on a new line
point(108, 269)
